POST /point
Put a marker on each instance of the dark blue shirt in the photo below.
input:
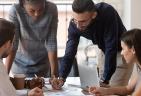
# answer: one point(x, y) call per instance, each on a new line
point(105, 31)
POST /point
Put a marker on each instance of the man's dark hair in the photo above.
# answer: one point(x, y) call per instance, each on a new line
point(80, 6)
point(31, 1)
point(7, 31)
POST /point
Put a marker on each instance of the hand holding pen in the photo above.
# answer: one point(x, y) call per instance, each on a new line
point(56, 83)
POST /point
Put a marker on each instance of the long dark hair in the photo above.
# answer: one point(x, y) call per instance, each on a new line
point(7, 31)
point(132, 39)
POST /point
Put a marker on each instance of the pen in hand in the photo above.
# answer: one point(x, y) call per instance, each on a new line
point(35, 76)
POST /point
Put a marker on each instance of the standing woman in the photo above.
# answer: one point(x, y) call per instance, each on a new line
point(35, 45)
point(131, 50)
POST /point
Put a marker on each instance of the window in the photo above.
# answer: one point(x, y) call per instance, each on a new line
point(64, 15)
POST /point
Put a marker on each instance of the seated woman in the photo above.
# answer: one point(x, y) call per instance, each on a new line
point(131, 45)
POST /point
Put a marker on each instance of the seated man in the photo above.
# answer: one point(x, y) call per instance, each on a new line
point(6, 37)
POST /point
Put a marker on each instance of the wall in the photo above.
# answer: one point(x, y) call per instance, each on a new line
point(132, 14)
point(135, 13)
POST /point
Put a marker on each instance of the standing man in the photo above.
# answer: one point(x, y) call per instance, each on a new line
point(35, 44)
point(101, 24)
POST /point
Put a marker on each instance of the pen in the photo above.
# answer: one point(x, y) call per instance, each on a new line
point(35, 75)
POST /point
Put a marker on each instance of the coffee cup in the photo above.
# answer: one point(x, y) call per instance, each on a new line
point(19, 81)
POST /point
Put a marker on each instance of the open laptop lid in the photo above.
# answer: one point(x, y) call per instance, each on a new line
point(88, 74)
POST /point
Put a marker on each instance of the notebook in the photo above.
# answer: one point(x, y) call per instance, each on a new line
point(88, 74)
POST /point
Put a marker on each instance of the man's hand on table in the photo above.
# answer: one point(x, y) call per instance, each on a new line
point(35, 92)
point(57, 83)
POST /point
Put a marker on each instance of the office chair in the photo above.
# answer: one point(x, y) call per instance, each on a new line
point(74, 70)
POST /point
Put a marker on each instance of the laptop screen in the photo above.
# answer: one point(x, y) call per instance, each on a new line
point(88, 74)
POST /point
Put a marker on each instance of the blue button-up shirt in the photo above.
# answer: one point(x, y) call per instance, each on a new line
point(105, 31)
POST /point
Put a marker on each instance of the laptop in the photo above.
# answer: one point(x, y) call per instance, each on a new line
point(88, 74)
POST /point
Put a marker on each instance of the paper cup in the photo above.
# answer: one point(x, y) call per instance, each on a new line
point(19, 81)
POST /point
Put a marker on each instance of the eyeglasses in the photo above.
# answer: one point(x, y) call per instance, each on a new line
point(83, 22)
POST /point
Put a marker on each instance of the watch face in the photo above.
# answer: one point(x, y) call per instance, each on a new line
point(103, 83)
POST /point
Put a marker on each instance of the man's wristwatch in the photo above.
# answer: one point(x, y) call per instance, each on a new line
point(104, 83)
